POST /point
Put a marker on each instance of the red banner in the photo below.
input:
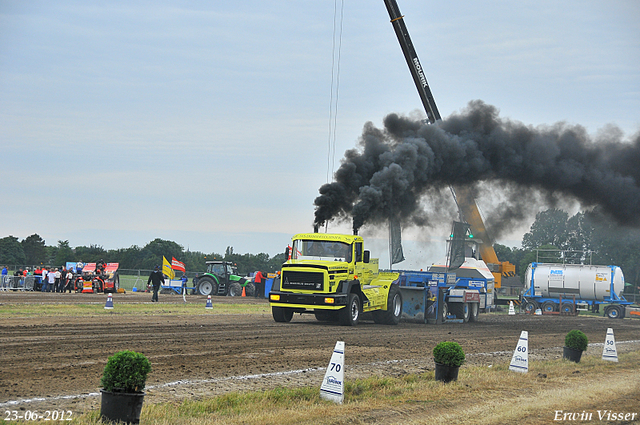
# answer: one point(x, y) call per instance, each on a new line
point(177, 265)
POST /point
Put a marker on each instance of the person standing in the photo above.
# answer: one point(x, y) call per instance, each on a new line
point(58, 280)
point(51, 277)
point(45, 280)
point(156, 278)
point(5, 278)
point(258, 279)
point(68, 281)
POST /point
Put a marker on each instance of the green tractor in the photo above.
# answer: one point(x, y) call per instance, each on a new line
point(221, 279)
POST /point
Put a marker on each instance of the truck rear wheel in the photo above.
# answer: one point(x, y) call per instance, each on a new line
point(350, 315)
point(282, 314)
point(394, 309)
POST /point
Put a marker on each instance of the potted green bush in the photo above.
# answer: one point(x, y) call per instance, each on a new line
point(574, 344)
point(123, 382)
point(448, 356)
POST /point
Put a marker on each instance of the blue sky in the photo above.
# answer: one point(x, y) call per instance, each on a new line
point(207, 123)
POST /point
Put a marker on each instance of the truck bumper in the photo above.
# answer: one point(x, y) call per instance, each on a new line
point(314, 301)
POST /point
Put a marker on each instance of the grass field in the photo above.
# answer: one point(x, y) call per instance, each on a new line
point(550, 390)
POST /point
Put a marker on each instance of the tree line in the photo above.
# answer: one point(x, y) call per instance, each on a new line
point(553, 229)
point(32, 251)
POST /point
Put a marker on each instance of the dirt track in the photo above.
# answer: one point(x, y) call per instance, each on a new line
point(206, 354)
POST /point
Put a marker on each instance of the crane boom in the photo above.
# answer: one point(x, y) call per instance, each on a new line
point(467, 206)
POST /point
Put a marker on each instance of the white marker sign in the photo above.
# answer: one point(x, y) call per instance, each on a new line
point(332, 387)
point(520, 359)
point(609, 352)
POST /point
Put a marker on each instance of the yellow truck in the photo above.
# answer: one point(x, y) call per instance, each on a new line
point(334, 278)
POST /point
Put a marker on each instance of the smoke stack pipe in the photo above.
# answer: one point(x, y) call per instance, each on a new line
point(315, 228)
point(355, 232)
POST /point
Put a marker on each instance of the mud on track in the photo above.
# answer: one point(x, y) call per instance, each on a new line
point(47, 357)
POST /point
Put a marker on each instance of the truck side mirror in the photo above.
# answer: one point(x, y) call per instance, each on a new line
point(286, 254)
point(367, 255)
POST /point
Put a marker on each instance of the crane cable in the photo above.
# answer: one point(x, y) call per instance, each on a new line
point(335, 86)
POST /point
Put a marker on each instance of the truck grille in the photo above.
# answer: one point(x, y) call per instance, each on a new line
point(310, 281)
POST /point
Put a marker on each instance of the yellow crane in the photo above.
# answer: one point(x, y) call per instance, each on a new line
point(464, 199)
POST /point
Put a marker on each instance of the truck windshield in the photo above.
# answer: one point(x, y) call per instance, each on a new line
point(321, 250)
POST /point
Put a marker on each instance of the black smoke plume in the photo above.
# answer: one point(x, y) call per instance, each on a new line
point(397, 166)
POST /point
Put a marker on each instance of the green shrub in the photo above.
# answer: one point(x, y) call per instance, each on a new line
point(126, 372)
point(577, 340)
point(449, 353)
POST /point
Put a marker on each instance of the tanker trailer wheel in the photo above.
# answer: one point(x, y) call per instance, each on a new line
point(567, 308)
point(549, 306)
point(613, 312)
point(350, 315)
point(282, 314)
point(235, 290)
point(206, 286)
point(473, 315)
point(530, 307)
point(394, 309)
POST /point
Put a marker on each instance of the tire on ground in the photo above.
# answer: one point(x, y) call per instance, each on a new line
point(567, 308)
point(461, 311)
point(474, 308)
point(235, 289)
point(549, 306)
point(613, 312)
point(250, 289)
point(350, 315)
point(282, 314)
point(394, 308)
point(206, 286)
point(530, 307)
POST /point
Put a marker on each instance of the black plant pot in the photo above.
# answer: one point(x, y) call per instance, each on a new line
point(123, 407)
point(571, 354)
point(446, 373)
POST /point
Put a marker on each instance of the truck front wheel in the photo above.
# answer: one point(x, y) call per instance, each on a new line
point(350, 315)
point(282, 314)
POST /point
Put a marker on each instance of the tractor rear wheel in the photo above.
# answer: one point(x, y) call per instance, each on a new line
point(206, 286)
point(235, 289)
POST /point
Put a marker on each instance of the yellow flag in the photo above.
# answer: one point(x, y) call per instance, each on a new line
point(167, 270)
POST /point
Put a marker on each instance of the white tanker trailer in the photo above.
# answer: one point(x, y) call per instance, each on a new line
point(545, 284)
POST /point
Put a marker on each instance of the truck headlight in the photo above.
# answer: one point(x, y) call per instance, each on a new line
point(329, 301)
point(274, 297)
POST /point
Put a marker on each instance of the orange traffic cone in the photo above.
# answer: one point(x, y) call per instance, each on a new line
point(244, 293)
